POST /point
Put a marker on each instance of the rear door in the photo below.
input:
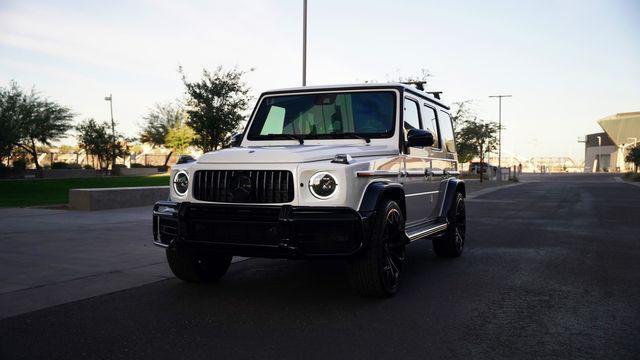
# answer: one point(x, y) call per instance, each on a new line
point(435, 156)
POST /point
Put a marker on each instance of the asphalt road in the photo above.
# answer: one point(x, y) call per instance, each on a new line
point(551, 270)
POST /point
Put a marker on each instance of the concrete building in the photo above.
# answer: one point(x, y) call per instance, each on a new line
point(605, 151)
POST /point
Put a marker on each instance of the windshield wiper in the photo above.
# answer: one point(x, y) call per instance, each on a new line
point(299, 138)
point(356, 136)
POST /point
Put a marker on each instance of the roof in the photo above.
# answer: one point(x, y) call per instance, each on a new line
point(622, 128)
point(391, 85)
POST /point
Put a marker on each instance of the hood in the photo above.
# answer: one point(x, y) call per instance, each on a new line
point(292, 153)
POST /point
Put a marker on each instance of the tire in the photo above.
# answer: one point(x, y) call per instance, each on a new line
point(197, 268)
point(451, 243)
point(377, 272)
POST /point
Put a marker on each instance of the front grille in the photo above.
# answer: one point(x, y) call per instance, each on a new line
point(243, 186)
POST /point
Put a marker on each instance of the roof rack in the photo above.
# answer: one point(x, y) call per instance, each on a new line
point(420, 85)
point(436, 94)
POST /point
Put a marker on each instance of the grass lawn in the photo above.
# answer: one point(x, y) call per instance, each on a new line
point(56, 191)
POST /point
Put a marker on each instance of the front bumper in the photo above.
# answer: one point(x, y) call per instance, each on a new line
point(262, 231)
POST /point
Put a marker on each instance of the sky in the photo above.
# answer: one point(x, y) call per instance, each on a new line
point(566, 63)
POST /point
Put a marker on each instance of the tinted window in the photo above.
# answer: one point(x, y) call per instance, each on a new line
point(325, 115)
point(411, 117)
point(430, 123)
point(446, 132)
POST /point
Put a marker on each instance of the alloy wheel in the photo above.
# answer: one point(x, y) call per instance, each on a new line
point(393, 249)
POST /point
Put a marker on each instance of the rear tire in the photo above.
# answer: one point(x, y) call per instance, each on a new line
point(196, 268)
point(376, 272)
point(451, 243)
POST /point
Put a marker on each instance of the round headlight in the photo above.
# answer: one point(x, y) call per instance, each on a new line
point(181, 183)
point(323, 185)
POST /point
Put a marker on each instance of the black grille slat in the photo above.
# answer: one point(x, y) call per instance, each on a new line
point(226, 186)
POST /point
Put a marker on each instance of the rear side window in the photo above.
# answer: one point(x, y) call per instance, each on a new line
point(446, 131)
point(430, 122)
point(411, 117)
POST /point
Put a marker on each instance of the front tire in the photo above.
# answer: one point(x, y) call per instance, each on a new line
point(376, 273)
point(451, 243)
point(197, 268)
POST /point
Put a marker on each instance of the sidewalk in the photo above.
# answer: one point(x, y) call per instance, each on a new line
point(52, 257)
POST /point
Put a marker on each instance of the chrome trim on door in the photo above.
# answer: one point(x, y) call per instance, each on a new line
point(413, 173)
point(370, 173)
point(422, 193)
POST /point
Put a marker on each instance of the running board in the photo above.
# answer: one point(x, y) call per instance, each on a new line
point(419, 234)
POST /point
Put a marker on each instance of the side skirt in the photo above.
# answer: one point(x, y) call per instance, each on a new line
point(426, 230)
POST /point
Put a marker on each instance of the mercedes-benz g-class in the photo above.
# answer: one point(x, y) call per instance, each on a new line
point(354, 171)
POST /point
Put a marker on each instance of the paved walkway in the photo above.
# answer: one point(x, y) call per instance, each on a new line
point(51, 257)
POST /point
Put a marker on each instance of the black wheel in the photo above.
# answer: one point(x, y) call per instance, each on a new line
point(191, 267)
point(377, 271)
point(451, 243)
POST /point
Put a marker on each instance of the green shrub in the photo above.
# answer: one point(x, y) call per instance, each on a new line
point(20, 164)
point(88, 167)
point(5, 171)
point(64, 165)
point(142, 166)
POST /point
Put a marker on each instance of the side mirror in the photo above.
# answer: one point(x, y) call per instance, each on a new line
point(236, 140)
point(419, 138)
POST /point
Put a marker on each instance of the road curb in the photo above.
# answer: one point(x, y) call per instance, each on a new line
point(620, 180)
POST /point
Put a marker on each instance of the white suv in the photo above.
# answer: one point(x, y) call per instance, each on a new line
point(352, 171)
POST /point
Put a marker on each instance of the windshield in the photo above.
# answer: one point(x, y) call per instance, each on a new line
point(367, 114)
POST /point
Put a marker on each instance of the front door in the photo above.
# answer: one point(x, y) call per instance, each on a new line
point(417, 167)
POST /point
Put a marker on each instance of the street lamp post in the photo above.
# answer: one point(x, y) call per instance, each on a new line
point(500, 131)
point(304, 44)
point(113, 132)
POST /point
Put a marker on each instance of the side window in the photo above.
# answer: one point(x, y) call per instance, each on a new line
point(430, 122)
point(411, 117)
point(446, 131)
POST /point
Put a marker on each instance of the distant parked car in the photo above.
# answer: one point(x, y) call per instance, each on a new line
point(474, 168)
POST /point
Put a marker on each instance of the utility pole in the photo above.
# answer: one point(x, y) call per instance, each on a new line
point(113, 133)
point(499, 131)
point(304, 43)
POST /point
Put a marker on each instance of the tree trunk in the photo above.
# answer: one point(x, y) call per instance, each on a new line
point(34, 153)
point(166, 160)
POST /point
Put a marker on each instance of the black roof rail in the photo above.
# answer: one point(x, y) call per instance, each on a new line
point(436, 94)
point(420, 85)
